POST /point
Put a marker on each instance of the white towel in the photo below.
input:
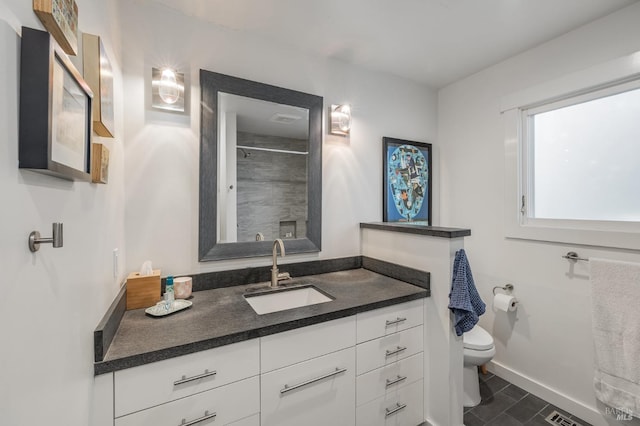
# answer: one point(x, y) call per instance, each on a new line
point(615, 294)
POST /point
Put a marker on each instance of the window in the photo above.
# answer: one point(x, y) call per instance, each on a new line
point(573, 159)
point(582, 157)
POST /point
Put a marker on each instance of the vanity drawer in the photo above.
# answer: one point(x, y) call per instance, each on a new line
point(248, 421)
point(152, 384)
point(403, 407)
point(383, 380)
point(325, 395)
point(384, 321)
point(290, 347)
point(229, 403)
point(385, 350)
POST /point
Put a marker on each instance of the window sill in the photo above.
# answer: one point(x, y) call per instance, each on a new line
point(587, 237)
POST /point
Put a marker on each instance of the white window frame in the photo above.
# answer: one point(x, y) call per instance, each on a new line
point(612, 77)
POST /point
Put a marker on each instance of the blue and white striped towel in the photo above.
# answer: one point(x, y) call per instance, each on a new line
point(464, 300)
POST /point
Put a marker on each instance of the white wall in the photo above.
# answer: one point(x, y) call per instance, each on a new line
point(443, 387)
point(547, 347)
point(53, 299)
point(162, 148)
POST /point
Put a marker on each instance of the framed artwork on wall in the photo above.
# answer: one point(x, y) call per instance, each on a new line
point(406, 181)
point(55, 110)
point(99, 76)
point(60, 18)
point(99, 163)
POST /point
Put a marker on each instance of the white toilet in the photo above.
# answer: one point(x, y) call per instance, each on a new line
point(478, 350)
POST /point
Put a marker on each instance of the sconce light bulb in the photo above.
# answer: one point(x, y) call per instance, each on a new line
point(345, 109)
point(341, 119)
point(344, 117)
point(169, 91)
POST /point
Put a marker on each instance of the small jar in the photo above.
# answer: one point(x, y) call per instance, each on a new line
point(182, 287)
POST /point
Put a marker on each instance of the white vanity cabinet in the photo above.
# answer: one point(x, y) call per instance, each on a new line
point(384, 380)
point(390, 366)
point(389, 320)
point(220, 383)
point(293, 346)
point(402, 407)
point(308, 375)
point(220, 406)
point(365, 370)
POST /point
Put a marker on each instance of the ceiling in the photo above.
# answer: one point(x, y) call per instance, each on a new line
point(435, 42)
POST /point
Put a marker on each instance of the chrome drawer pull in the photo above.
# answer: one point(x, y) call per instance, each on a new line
point(396, 351)
point(288, 388)
point(186, 379)
point(398, 320)
point(395, 409)
point(391, 382)
point(206, 416)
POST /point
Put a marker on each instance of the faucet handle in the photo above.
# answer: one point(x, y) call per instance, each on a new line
point(284, 276)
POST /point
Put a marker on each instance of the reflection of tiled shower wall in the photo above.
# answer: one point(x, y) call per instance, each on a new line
point(272, 187)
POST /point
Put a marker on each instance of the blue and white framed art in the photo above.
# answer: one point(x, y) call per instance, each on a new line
point(406, 181)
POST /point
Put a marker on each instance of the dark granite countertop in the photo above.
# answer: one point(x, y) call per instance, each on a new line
point(221, 316)
point(416, 228)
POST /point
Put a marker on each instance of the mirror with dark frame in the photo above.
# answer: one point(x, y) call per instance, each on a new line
point(260, 168)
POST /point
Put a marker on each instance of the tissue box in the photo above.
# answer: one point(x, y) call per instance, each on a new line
point(143, 291)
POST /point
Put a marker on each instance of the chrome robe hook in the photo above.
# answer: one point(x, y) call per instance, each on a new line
point(56, 239)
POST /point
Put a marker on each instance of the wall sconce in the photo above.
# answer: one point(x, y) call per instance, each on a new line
point(167, 89)
point(340, 119)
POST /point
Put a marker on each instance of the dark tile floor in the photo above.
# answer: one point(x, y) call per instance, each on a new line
point(505, 404)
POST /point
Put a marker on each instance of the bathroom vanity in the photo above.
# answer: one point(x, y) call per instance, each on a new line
point(357, 360)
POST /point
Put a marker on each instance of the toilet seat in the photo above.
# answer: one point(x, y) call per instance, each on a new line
point(477, 339)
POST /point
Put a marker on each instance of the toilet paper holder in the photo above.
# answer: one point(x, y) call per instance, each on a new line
point(507, 287)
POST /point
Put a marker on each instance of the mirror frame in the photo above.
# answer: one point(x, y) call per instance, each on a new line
point(209, 248)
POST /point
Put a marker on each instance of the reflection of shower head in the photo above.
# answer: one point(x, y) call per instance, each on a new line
point(245, 154)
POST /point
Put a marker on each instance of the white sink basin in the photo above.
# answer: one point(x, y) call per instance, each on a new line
point(280, 300)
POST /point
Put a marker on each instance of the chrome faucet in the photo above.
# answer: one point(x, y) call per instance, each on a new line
point(276, 276)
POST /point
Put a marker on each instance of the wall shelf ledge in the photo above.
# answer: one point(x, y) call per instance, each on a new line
point(416, 228)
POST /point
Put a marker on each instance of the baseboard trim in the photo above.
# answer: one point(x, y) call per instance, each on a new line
point(550, 395)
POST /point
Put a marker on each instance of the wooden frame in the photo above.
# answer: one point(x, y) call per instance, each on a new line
point(406, 181)
point(60, 18)
point(99, 163)
point(209, 247)
point(99, 76)
point(55, 110)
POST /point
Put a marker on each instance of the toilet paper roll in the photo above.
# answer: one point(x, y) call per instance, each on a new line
point(505, 302)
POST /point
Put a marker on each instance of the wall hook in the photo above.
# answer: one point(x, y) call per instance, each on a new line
point(56, 239)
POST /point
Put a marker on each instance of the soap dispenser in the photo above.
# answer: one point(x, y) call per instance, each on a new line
point(169, 295)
